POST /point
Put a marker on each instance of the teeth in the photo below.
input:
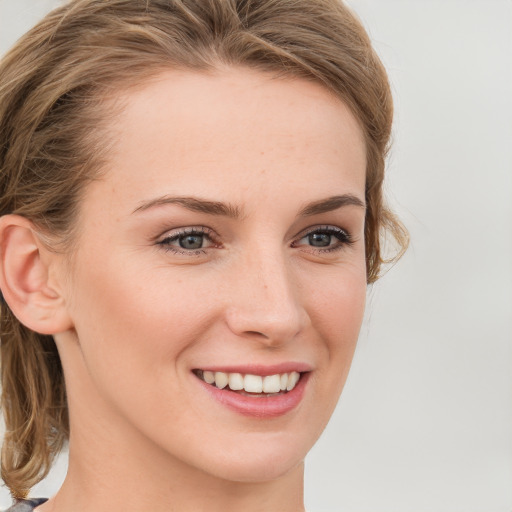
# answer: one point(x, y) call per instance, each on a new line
point(236, 381)
point(293, 378)
point(221, 379)
point(251, 383)
point(209, 377)
point(272, 384)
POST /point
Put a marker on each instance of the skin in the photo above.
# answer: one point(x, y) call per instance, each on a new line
point(139, 316)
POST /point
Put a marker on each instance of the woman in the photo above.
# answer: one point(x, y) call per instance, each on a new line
point(191, 199)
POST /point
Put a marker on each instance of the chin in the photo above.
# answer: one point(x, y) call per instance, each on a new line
point(261, 459)
point(257, 471)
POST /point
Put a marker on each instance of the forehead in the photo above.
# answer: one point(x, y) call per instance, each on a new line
point(233, 131)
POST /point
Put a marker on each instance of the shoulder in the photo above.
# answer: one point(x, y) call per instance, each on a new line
point(26, 505)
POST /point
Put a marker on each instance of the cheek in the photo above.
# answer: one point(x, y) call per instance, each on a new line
point(336, 302)
point(336, 311)
point(136, 329)
point(135, 315)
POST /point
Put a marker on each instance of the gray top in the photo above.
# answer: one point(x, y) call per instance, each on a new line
point(26, 505)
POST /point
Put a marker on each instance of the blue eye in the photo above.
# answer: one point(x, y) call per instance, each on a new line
point(190, 240)
point(325, 239)
point(320, 239)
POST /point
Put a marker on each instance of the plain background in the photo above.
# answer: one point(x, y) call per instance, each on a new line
point(425, 421)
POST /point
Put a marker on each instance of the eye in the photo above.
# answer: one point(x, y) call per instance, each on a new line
point(188, 241)
point(325, 239)
point(191, 241)
point(319, 239)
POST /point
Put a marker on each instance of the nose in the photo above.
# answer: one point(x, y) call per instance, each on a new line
point(265, 301)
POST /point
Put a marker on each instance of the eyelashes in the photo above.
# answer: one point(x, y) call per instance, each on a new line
point(196, 240)
point(325, 239)
point(190, 241)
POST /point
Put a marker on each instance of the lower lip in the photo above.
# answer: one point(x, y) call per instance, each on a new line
point(259, 406)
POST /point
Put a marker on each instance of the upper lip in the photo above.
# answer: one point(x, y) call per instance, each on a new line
point(259, 369)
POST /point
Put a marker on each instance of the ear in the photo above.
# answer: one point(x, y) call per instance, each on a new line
point(28, 277)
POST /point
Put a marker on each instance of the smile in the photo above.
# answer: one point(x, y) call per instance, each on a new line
point(268, 385)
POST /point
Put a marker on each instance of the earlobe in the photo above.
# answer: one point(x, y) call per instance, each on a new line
point(25, 270)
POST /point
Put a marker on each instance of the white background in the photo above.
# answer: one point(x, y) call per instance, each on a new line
point(425, 420)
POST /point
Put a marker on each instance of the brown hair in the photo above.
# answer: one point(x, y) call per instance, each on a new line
point(52, 113)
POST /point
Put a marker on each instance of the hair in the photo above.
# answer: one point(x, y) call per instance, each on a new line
point(53, 121)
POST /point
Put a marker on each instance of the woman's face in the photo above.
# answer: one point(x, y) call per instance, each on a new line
point(224, 241)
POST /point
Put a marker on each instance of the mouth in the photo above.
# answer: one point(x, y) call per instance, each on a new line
point(264, 393)
point(250, 384)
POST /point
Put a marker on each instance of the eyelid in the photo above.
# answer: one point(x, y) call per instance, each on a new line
point(163, 241)
point(187, 230)
point(344, 237)
point(327, 228)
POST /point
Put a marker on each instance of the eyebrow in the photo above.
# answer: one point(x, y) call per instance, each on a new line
point(330, 204)
point(194, 204)
point(228, 210)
